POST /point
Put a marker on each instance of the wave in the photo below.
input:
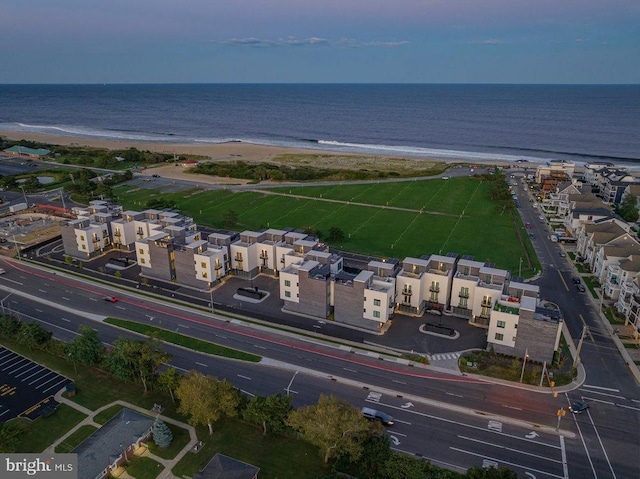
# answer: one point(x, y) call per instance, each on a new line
point(83, 132)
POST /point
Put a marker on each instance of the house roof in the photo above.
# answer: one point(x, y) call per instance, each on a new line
point(631, 264)
point(224, 467)
point(622, 247)
point(105, 445)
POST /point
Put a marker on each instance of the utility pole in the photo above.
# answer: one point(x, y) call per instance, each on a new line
point(524, 363)
point(561, 412)
point(576, 360)
point(544, 368)
point(520, 267)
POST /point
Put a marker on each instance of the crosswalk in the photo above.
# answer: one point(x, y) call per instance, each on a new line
point(443, 356)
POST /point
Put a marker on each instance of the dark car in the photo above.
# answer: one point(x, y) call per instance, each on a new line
point(375, 415)
point(576, 280)
point(155, 175)
point(111, 299)
point(562, 254)
point(581, 288)
point(578, 406)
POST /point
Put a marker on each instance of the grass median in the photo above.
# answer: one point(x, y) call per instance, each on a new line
point(184, 341)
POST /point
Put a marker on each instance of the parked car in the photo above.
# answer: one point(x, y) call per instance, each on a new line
point(375, 415)
point(532, 236)
point(2, 271)
point(576, 280)
point(111, 299)
point(562, 254)
point(578, 406)
point(581, 288)
point(155, 175)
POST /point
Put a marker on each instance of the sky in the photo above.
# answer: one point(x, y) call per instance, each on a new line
point(322, 41)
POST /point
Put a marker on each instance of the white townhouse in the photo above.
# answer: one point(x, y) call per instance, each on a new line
point(612, 253)
point(244, 254)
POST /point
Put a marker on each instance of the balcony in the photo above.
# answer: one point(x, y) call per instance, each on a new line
point(463, 294)
point(406, 292)
point(264, 255)
point(486, 303)
point(435, 288)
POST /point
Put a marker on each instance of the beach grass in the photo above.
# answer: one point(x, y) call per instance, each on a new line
point(457, 216)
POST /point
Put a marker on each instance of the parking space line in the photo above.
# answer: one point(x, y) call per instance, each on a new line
point(52, 379)
point(25, 372)
point(11, 362)
point(62, 379)
point(23, 366)
point(37, 372)
point(40, 378)
point(14, 364)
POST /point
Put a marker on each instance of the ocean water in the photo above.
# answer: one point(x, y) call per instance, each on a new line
point(581, 123)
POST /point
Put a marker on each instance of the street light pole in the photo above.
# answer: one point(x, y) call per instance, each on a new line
point(520, 267)
point(524, 363)
point(211, 299)
point(24, 194)
point(291, 382)
point(2, 303)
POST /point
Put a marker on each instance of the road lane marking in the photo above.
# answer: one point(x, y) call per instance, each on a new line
point(565, 467)
point(499, 446)
point(65, 298)
point(259, 347)
point(604, 451)
point(628, 407)
point(244, 377)
point(495, 459)
point(12, 281)
point(403, 422)
point(42, 290)
point(456, 395)
point(399, 382)
point(350, 370)
point(65, 319)
point(600, 387)
point(563, 281)
point(470, 426)
point(611, 403)
point(248, 393)
point(120, 307)
point(605, 394)
point(201, 364)
point(512, 407)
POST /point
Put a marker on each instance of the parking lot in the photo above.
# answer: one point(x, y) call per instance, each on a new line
point(26, 387)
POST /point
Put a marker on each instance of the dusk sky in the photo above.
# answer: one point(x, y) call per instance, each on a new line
point(336, 41)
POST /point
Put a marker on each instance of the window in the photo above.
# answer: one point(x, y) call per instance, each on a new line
point(204, 274)
point(203, 264)
point(499, 337)
point(501, 324)
point(142, 261)
point(84, 246)
point(376, 314)
point(287, 294)
point(141, 251)
point(287, 282)
point(376, 302)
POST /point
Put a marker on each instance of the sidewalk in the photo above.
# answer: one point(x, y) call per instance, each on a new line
point(167, 464)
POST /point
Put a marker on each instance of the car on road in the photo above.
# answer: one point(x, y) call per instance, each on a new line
point(111, 299)
point(375, 415)
point(562, 254)
point(3, 271)
point(532, 236)
point(155, 175)
point(578, 406)
point(581, 288)
point(445, 177)
point(576, 280)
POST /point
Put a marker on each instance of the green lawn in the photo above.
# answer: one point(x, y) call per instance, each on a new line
point(277, 456)
point(185, 341)
point(144, 468)
point(96, 388)
point(458, 216)
point(39, 434)
point(104, 416)
point(180, 440)
point(75, 439)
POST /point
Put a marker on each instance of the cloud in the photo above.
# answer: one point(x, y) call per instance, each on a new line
point(311, 42)
point(489, 41)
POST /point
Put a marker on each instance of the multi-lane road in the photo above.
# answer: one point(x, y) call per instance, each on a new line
point(455, 421)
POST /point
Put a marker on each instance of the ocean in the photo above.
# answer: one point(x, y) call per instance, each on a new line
point(581, 123)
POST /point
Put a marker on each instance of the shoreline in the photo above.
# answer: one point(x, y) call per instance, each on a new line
point(230, 150)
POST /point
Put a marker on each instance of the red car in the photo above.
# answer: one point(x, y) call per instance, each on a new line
point(111, 299)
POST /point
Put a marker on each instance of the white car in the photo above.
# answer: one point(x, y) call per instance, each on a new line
point(2, 271)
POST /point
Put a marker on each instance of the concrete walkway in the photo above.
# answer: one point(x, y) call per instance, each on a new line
point(167, 464)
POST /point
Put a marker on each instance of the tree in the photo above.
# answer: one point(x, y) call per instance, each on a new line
point(628, 208)
point(205, 399)
point(86, 349)
point(491, 473)
point(162, 435)
point(335, 234)
point(230, 218)
point(33, 335)
point(9, 326)
point(9, 434)
point(334, 426)
point(32, 183)
point(141, 358)
point(170, 380)
point(270, 411)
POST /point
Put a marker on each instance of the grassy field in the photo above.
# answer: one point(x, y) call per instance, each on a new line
point(104, 416)
point(277, 456)
point(143, 468)
point(455, 215)
point(185, 341)
point(39, 434)
point(76, 438)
